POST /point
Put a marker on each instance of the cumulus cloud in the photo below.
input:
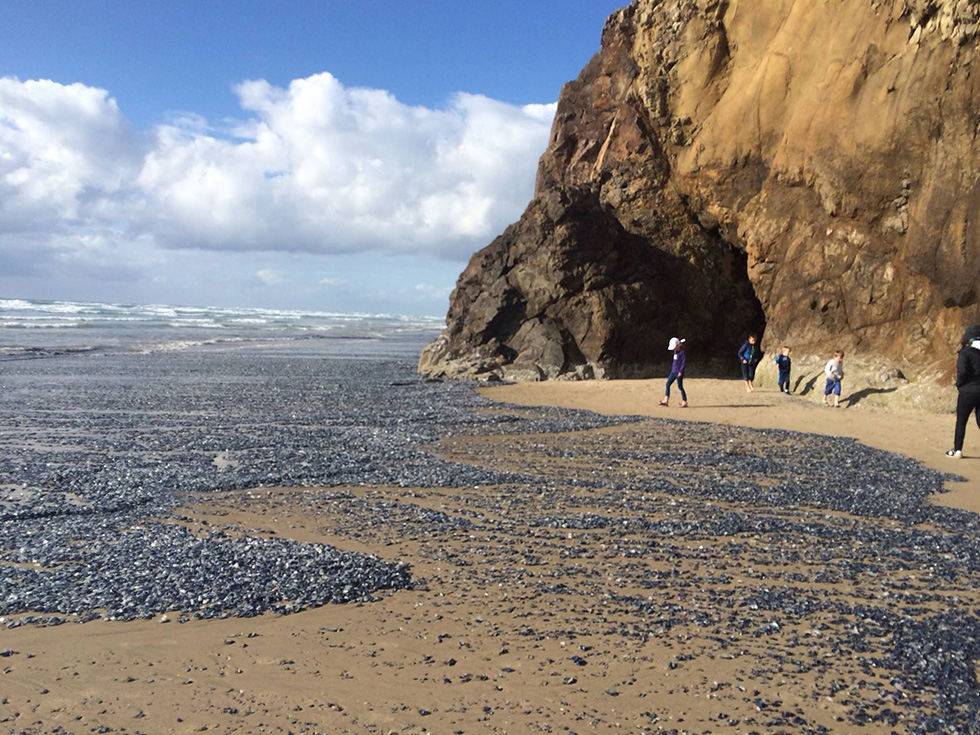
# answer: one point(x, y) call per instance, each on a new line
point(321, 167)
point(314, 167)
point(68, 158)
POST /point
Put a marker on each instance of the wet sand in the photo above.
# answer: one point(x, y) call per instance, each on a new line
point(579, 607)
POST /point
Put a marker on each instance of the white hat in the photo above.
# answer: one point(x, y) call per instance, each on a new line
point(672, 345)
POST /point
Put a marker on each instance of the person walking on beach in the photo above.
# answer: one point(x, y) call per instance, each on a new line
point(747, 355)
point(783, 364)
point(834, 371)
point(676, 372)
point(968, 385)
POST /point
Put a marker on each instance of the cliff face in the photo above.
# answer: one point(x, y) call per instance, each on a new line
point(719, 167)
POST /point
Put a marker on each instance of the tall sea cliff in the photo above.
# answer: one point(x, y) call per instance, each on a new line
point(804, 169)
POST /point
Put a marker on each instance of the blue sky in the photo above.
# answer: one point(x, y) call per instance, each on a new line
point(314, 155)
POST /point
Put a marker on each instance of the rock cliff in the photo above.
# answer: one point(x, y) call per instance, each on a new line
point(806, 168)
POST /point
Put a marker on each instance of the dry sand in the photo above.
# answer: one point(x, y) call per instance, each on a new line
point(515, 627)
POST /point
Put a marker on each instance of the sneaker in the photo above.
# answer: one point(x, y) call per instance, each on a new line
point(955, 454)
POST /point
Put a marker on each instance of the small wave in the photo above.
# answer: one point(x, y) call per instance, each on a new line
point(51, 307)
point(182, 344)
point(248, 320)
point(72, 324)
point(31, 353)
point(196, 323)
point(15, 304)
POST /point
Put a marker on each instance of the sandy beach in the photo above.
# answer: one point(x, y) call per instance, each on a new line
point(577, 605)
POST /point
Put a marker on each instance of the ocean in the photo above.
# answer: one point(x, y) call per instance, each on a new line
point(35, 328)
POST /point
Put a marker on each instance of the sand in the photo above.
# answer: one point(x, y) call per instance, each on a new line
point(515, 627)
point(920, 435)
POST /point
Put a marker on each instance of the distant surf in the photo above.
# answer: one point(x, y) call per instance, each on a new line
point(32, 328)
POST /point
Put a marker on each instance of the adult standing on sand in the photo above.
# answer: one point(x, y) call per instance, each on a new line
point(747, 355)
point(968, 384)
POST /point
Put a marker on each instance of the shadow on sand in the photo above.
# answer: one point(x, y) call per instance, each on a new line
point(856, 398)
point(810, 385)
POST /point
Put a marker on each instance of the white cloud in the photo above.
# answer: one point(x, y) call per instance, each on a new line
point(333, 281)
point(314, 167)
point(68, 157)
point(428, 291)
point(269, 277)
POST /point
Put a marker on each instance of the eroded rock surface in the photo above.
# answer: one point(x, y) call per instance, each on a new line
point(723, 166)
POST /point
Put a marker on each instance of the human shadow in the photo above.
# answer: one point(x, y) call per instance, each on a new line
point(810, 385)
point(855, 398)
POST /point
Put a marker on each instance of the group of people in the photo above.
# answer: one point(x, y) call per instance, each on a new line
point(967, 377)
point(749, 355)
point(833, 370)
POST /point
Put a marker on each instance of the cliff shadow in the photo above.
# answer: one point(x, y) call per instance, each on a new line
point(636, 291)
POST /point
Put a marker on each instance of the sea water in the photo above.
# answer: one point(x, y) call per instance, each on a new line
point(34, 328)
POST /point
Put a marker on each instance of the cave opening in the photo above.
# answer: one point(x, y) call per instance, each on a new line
point(746, 302)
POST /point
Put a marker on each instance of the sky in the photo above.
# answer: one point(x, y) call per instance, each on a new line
point(329, 155)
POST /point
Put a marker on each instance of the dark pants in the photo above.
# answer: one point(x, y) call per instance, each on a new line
point(968, 402)
point(784, 380)
point(748, 371)
point(680, 384)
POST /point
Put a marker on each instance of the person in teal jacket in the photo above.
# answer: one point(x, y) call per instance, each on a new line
point(748, 355)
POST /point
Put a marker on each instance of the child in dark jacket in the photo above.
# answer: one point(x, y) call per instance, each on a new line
point(676, 372)
point(784, 364)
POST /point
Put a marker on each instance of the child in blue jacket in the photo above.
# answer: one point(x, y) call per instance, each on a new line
point(784, 363)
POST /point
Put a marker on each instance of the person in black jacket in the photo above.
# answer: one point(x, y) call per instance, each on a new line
point(968, 383)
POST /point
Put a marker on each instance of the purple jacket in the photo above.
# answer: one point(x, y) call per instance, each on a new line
point(677, 366)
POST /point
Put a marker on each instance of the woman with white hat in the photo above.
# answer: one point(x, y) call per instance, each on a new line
point(676, 372)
